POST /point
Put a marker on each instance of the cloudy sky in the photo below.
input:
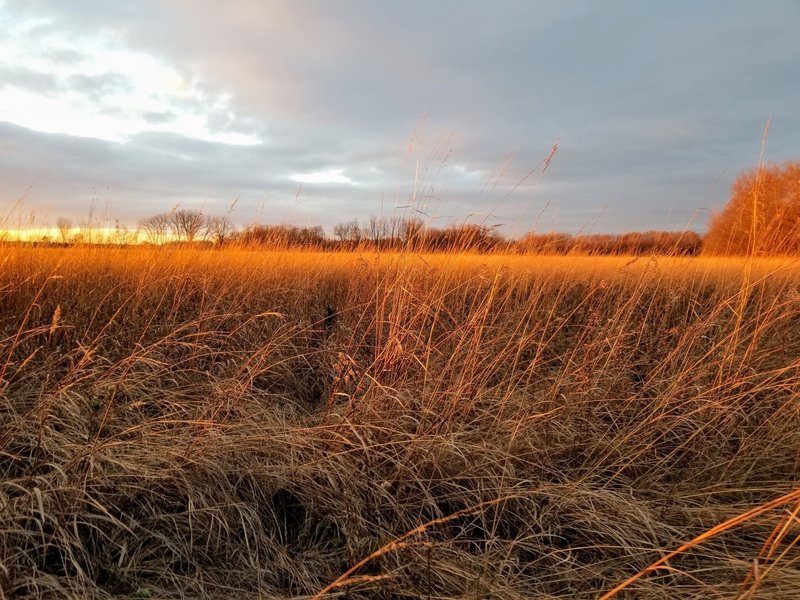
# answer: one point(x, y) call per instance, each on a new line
point(319, 112)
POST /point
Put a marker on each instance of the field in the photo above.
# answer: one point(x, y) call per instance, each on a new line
point(184, 423)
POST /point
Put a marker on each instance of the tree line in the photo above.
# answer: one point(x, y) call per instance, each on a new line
point(762, 217)
point(187, 225)
point(404, 234)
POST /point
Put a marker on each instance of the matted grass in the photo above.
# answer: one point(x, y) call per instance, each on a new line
point(177, 423)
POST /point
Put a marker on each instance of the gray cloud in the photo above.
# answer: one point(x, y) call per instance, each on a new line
point(29, 80)
point(64, 56)
point(159, 117)
point(98, 87)
point(655, 106)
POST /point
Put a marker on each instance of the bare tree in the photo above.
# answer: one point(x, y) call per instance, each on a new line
point(356, 232)
point(187, 224)
point(375, 233)
point(348, 232)
point(64, 226)
point(220, 229)
point(155, 228)
point(341, 231)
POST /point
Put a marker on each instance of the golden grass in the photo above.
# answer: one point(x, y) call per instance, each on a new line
point(178, 423)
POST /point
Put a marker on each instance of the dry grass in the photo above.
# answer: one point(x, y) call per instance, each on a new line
point(187, 424)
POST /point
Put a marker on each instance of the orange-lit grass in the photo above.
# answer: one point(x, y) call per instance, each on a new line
point(186, 423)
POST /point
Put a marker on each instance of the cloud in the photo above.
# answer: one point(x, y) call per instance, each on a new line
point(29, 80)
point(159, 117)
point(99, 87)
point(64, 56)
point(654, 111)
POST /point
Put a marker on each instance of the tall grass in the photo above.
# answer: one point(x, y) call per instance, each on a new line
point(177, 423)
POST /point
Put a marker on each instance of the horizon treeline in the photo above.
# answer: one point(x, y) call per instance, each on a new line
point(191, 226)
point(762, 218)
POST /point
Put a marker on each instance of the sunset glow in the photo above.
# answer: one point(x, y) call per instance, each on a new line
point(388, 300)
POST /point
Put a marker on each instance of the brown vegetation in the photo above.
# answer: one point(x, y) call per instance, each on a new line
point(402, 234)
point(180, 423)
point(762, 217)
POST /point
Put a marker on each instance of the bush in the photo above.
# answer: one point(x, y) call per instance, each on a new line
point(762, 216)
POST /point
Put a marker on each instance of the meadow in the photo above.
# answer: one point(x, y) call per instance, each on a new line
point(197, 423)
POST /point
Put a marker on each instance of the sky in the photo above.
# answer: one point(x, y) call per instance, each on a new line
point(569, 116)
